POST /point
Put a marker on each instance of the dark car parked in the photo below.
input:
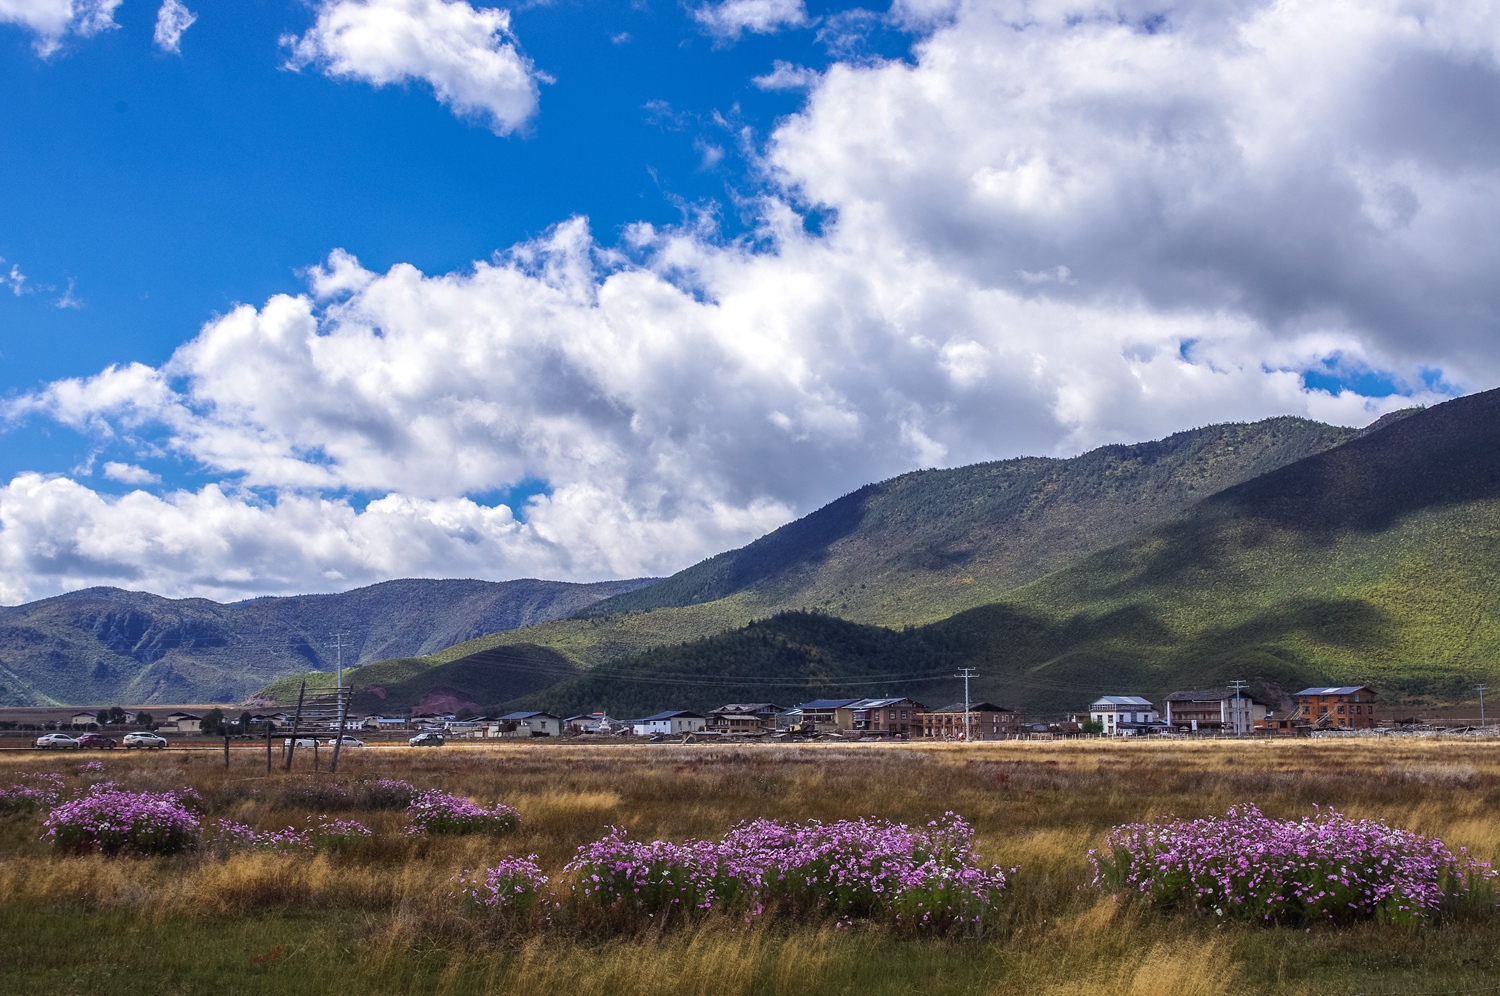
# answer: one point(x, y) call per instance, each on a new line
point(96, 741)
point(426, 740)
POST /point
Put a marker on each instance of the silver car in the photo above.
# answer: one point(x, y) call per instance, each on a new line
point(144, 741)
point(348, 742)
point(57, 741)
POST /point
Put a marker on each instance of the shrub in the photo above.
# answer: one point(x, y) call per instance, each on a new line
point(189, 798)
point(321, 797)
point(388, 793)
point(39, 791)
point(227, 836)
point(512, 890)
point(118, 822)
point(925, 879)
point(436, 812)
point(340, 835)
point(1248, 866)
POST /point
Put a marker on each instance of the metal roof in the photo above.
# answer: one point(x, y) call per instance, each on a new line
point(527, 715)
point(827, 704)
point(670, 714)
point(1206, 695)
point(1341, 690)
point(1125, 700)
point(973, 707)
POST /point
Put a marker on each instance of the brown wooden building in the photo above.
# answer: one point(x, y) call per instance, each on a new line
point(888, 716)
point(1348, 706)
point(987, 721)
point(744, 717)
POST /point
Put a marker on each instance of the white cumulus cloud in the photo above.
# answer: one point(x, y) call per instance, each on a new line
point(1057, 225)
point(468, 55)
point(729, 19)
point(129, 473)
point(172, 19)
point(52, 21)
point(785, 76)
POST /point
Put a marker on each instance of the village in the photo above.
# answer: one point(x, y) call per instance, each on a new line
point(1204, 712)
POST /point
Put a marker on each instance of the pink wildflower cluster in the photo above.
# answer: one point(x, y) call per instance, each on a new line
point(36, 791)
point(513, 888)
point(112, 821)
point(923, 879)
point(339, 835)
point(91, 767)
point(226, 836)
point(1325, 867)
point(434, 812)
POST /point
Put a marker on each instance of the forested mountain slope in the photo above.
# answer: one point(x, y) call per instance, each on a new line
point(928, 544)
point(1377, 561)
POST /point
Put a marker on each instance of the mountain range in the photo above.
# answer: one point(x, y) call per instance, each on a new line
point(103, 646)
point(1283, 552)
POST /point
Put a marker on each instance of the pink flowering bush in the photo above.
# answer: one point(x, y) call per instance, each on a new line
point(1325, 867)
point(112, 821)
point(435, 812)
point(513, 890)
point(226, 836)
point(340, 835)
point(36, 791)
point(924, 879)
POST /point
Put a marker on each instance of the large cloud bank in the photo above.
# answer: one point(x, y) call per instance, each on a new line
point(1061, 224)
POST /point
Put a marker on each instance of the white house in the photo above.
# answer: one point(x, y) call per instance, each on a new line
point(592, 722)
point(530, 724)
point(673, 723)
point(1124, 715)
point(180, 722)
point(83, 718)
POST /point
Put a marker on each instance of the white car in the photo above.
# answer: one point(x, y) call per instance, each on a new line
point(348, 742)
point(57, 741)
point(144, 741)
point(301, 742)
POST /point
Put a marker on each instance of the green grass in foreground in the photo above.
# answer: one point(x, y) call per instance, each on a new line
point(383, 923)
point(61, 951)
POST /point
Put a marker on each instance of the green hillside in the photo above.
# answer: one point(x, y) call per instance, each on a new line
point(923, 546)
point(1377, 561)
point(481, 681)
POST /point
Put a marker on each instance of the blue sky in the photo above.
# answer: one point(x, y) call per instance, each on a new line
point(343, 290)
point(166, 188)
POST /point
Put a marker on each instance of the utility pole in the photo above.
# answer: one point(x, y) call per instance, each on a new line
point(966, 674)
point(1482, 687)
point(342, 701)
point(1237, 686)
point(296, 722)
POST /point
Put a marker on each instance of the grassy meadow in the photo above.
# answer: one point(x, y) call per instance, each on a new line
point(382, 919)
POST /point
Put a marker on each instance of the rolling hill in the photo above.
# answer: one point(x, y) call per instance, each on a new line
point(104, 646)
point(925, 545)
point(480, 682)
point(1376, 561)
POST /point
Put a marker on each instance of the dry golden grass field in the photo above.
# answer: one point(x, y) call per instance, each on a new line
point(383, 920)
